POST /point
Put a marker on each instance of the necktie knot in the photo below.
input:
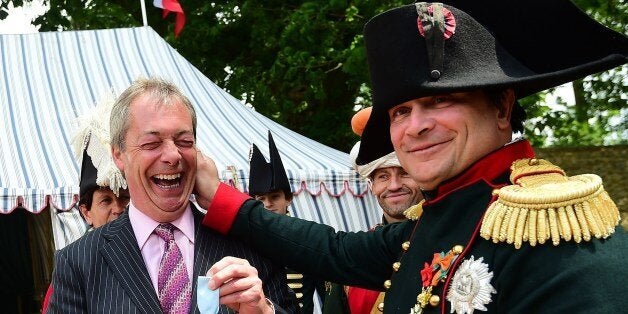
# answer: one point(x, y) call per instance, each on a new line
point(165, 231)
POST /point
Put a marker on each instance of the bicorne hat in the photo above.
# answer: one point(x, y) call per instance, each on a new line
point(425, 49)
point(92, 147)
point(265, 177)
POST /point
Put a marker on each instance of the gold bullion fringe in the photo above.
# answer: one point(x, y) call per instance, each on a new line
point(544, 204)
point(415, 211)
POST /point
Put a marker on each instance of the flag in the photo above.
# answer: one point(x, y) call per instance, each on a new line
point(172, 6)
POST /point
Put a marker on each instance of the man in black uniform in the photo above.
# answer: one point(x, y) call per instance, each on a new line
point(269, 184)
point(500, 231)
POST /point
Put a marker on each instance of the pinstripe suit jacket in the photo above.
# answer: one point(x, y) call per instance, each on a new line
point(104, 272)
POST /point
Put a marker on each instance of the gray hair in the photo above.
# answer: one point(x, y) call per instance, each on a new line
point(164, 93)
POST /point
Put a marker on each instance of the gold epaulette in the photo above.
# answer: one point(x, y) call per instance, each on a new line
point(543, 203)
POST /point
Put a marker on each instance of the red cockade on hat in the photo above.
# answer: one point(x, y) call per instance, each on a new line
point(450, 22)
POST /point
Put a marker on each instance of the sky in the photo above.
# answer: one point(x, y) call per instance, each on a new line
point(19, 20)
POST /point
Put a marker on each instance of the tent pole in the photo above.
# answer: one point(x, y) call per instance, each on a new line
point(144, 19)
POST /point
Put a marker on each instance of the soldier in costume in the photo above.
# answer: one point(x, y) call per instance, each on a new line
point(395, 192)
point(500, 231)
point(269, 184)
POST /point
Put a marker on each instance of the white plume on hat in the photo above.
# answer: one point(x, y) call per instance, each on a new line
point(94, 137)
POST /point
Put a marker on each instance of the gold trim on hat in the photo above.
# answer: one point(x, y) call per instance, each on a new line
point(543, 203)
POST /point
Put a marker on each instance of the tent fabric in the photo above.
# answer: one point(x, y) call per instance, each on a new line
point(49, 79)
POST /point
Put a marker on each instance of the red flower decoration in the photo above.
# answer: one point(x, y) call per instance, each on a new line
point(426, 275)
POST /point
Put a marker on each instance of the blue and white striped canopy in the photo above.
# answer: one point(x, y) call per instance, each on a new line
point(49, 79)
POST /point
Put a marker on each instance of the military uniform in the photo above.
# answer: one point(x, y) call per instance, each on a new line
point(347, 299)
point(266, 177)
point(497, 277)
point(304, 287)
point(510, 233)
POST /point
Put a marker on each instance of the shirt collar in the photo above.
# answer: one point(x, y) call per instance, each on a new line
point(143, 225)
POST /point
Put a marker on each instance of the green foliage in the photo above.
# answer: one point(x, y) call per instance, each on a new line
point(303, 63)
point(599, 115)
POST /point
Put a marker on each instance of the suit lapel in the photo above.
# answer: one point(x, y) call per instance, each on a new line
point(198, 270)
point(208, 249)
point(124, 259)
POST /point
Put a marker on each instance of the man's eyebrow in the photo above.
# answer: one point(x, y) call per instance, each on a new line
point(183, 132)
point(177, 134)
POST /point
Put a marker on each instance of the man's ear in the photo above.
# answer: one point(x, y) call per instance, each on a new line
point(116, 153)
point(504, 109)
point(288, 197)
point(86, 214)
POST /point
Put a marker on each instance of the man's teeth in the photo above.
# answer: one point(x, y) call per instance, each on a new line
point(168, 176)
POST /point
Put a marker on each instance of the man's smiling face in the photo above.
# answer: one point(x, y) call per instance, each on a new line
point(159, 157)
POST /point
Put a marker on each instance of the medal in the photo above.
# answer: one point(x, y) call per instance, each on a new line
point(432, 275)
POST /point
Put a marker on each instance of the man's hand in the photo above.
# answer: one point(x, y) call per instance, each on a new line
point(207, 181)
point(240, 287)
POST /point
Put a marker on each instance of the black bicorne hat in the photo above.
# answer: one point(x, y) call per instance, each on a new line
point(89, 174)
point(266, 177)
point(529, 46)
point(92, 147)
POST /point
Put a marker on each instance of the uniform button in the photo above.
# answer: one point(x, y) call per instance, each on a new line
point(387, 284)
point(396, 266)
point(405, 246)
point(458, 249)
point(434, 300)
point(380, 306)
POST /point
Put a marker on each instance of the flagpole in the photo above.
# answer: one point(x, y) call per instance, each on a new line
point(144, 19)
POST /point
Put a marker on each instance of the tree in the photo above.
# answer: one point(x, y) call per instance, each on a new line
point(303, 63)
point(599, 115)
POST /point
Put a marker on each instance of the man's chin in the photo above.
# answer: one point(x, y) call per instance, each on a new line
point(395, 211)
point(172, 206)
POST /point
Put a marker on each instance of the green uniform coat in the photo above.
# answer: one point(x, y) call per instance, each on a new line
point(588, 277)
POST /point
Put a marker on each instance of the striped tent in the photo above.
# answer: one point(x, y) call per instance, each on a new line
point(49, 79)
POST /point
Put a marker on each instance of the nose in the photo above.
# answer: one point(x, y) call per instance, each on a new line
point(170, 153)
point(421, 121)
point(394, 183)
point(118, 208)
point(267, 203)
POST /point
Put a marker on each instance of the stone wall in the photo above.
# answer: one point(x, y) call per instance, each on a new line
point(609, 162)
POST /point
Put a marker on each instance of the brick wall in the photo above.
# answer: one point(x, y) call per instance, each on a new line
point(609, 162)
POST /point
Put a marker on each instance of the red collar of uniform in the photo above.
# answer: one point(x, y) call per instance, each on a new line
point(489, 167)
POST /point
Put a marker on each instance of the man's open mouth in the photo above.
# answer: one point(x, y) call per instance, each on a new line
point(167, 181)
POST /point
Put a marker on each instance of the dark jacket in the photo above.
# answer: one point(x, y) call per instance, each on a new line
point(104, 272)
point(587, 277)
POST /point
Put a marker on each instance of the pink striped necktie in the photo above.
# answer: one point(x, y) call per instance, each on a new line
point(173, 284)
